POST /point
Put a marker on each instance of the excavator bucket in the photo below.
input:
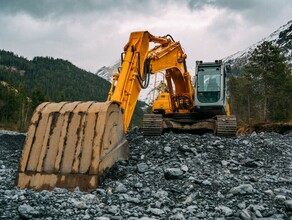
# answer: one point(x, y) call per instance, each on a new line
point(70, 144)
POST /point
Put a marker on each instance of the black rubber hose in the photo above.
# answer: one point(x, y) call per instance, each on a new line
point(147, 72)
point(168, 35)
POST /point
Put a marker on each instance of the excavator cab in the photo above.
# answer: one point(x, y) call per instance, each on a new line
point(210, 95)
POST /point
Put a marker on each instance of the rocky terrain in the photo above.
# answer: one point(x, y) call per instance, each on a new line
point(175, 176)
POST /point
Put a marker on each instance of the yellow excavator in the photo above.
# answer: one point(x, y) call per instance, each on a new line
point(200, 111)
point(71, 144)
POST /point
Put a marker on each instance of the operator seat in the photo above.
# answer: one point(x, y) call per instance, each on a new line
point(212, 85)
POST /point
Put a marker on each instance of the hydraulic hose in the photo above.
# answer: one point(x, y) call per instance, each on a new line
point(144, 82)
point(168, 35)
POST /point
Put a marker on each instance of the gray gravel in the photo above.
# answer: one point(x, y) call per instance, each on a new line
point(175, 176)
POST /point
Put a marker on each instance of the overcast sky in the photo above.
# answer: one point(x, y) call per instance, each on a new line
point(92, 33)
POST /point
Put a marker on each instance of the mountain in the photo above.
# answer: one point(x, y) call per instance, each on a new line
point(106, 72)
point(52, 76)
point(282, 37)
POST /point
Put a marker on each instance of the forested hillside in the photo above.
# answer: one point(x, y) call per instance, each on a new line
point(55, 77)
point(26, 83)
point(262, 92)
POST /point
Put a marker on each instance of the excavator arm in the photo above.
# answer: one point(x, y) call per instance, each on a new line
point(139, 63)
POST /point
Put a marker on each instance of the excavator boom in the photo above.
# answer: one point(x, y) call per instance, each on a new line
point(139, 63)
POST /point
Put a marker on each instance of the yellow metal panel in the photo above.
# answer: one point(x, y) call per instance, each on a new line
point(100, 127)
point(50, 158)
point(44, 145)
point(66, 111)
point(75, 129)
point(91, 127)
point(40, 135)
point(83, 129)
point(30, 136)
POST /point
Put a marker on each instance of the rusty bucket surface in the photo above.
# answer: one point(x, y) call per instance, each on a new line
point(70, 144)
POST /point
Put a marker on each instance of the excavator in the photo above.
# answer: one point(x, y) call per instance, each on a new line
point(205, 109)
point(73, 144)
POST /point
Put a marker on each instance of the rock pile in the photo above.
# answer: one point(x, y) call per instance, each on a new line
point(175, 176)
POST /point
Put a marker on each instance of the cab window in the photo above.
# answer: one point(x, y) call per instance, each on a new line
point(208, 84)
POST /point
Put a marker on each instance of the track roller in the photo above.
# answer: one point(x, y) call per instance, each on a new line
point(152, 125)
point(225, 125)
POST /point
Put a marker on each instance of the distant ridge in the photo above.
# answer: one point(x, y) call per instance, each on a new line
point(281, 37)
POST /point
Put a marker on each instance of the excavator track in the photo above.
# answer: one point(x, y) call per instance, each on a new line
point(70, 144)
point(225, 125)
point(152, 125)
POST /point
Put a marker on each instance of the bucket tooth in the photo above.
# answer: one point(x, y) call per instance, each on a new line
point(70, 144)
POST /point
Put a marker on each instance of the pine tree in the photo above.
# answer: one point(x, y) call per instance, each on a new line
point(38, 96)
point(271, 79)
point(24, 108)
point(61, 96)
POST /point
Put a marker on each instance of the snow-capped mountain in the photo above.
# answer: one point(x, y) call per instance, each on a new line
point(107, 72)
point(146, 95)
point(281, 37)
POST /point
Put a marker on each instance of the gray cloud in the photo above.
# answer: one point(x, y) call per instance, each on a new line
point(61, 8)
point(54, 8)
point(228, 4)
point(259, 11)
point(253, 10)
point(92, 33)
